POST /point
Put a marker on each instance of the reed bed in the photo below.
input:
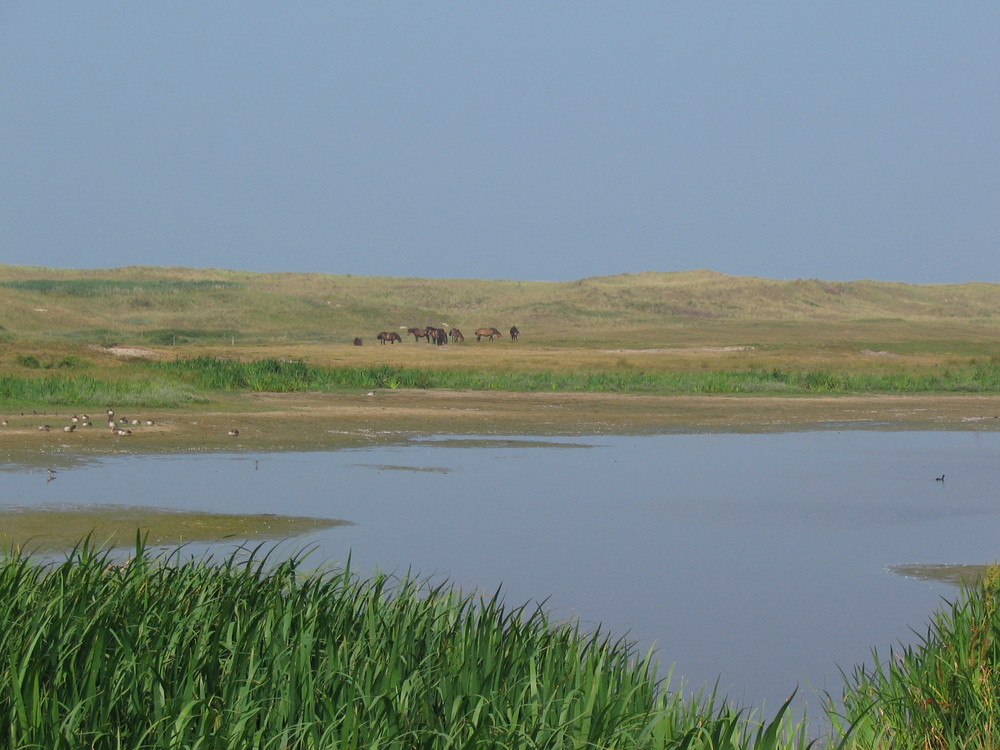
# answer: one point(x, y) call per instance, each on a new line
point(185, 381)
point(212, 373)
point(942, 692)
point(163, 651)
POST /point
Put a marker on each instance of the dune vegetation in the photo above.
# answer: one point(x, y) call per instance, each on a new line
point(170, 307)
point(66, 336)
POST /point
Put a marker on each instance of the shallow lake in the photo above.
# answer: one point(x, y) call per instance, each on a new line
point(759, 559)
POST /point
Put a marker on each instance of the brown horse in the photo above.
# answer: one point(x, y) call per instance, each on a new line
point(391, 336)
point(437, 335)
point(418, 333)
point(456, 335)
point(514, 333)
point(490, 332)
point(358, 341)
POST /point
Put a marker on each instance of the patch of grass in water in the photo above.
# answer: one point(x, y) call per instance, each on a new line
point(957, 575)
point(54, 529)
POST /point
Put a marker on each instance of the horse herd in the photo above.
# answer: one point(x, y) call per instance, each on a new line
point(439, 336)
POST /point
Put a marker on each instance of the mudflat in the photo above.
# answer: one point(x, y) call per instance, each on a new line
point(269, 421)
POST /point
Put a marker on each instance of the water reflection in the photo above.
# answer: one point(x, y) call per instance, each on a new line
point(763, 558)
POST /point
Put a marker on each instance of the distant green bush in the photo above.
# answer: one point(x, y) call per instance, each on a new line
point(28, 360)
point(33, 363)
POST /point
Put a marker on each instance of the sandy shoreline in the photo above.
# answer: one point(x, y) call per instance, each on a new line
point(282, 421)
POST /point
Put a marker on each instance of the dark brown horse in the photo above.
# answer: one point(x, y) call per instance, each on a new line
point(418, 333)
point(391, 336)
point(437, 335)
point(358, 341)
point(490, 332)
point(514, 333)
point(456, 335)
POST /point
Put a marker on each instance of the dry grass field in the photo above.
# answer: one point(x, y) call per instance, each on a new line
point(684, 319)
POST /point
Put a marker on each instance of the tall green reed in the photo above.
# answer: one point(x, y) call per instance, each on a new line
point(254, 652)
point(942, 692)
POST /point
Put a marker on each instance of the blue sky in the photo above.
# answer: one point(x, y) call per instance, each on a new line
point(515, 140)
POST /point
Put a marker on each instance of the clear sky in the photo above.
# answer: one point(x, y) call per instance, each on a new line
point(549, 140)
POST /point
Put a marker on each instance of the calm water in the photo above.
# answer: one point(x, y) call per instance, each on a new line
point(762, 559)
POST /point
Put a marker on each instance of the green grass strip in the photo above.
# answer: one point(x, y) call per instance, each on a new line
point(55, 389)
point(179, 382)
point(215, 374)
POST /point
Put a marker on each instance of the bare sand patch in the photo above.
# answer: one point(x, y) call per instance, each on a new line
point(126, 351)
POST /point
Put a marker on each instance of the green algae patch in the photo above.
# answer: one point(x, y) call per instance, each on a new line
point(957, 575)
point(55, 529)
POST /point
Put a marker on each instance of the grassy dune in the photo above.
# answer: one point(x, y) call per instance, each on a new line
point(171, 306)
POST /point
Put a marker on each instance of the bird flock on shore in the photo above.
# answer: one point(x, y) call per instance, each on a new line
point(118, 425)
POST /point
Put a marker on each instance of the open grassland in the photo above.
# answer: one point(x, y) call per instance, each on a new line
point(624, 327)
point(245, 652)
point(210, 342)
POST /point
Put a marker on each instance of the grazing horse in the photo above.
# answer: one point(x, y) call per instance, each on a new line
point(456, 335)
point(491, 332)
point(418, 333)
point(514, 333)
point(358, 341)
point(437, 335)
point(391, 336)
